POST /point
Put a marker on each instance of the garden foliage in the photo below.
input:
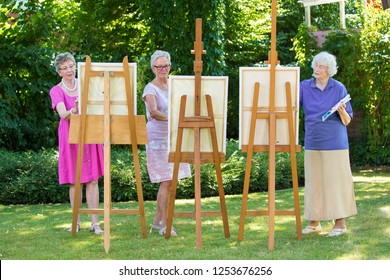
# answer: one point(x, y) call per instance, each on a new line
point(236, 33)
point(31, 177)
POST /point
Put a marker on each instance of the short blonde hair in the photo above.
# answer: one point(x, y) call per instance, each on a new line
point(158, 54)
point(328, 60)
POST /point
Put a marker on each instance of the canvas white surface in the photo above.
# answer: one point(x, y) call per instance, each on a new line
point(217, 88)
point(118, 99)
point(248, 77)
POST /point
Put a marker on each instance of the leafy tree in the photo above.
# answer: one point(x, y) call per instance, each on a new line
point(172, 28)
point(108, 30)
point(375, 39)
point(27, 37)
point(235, 33)
point(289, 17)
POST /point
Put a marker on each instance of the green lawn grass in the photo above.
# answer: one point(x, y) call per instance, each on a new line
point(38, 232)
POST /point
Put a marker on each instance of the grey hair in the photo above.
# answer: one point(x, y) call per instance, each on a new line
point(328, 60)
point(158, 54)
point(61, 58)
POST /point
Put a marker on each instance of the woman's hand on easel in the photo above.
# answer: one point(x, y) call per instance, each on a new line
point(76, 107)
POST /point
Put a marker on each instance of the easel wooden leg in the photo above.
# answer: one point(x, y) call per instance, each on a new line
point(171, 204)
point(107, 162)
point(296, 196)
point(198, 210)
point(245, 195)
point(133, 137)
point(248, 162)
point(293, 159)
point(271, 181)
point(172, 198)
point(139, 190)
point(76, 205)
point(222, 201)
point(107, 196)
point(80, 150)
point(77, 191)
point(217, 164)
point(134, 141)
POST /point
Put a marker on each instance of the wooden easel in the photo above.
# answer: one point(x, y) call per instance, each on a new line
point(107, 129)
point(197, 157)
point(272, 148)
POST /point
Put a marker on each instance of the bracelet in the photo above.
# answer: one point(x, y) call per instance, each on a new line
point(71, 111)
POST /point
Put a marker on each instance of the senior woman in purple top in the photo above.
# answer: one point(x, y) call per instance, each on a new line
point(329, 191)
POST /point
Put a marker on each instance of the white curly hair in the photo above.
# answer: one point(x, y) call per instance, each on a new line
point(327, 59)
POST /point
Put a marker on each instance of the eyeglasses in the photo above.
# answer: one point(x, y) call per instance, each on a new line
point(161, 67)
point(322, 67)
point(66, 68)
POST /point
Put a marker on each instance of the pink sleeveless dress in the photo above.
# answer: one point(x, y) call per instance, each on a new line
point(92, 162)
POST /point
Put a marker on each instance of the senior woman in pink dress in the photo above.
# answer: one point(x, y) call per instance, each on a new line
point(64, 102)
point(160, 171)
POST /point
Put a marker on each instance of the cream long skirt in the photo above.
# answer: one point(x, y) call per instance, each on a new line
point(329, 191)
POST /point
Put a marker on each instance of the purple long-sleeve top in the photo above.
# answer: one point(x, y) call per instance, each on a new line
point(330, 134)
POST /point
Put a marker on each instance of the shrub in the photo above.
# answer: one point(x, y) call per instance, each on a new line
point(31, 177)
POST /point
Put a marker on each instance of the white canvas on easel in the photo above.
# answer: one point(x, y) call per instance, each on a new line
point(217, 88)
point(117, 88)
point(248, 77)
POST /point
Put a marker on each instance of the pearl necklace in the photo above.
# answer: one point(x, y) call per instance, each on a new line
point(70, 89)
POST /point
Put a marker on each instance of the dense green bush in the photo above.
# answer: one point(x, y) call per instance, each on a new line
point(375, 61)
point(31, 177)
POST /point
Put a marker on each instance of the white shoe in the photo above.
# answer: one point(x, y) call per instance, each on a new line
point(164, 230)
point(96, 229)
point(337, 231)
point(311, 229)
point(77, 228)
point(156, 226)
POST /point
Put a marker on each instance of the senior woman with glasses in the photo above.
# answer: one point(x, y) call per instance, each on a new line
point(156, 100)
point(329, 191)
point(64, 102)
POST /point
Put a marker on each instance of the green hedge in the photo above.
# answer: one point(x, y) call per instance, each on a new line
point(31, 177)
